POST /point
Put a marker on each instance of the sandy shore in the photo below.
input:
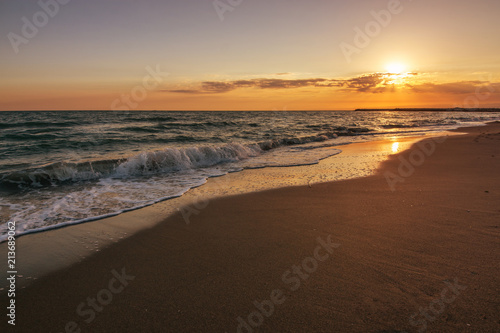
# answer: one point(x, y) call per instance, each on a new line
point(414, 247)
point(66, 246)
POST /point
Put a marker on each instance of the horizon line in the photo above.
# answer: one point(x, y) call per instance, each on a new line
point(267, 110)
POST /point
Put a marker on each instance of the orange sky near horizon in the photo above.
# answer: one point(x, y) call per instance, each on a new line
point(260, 55)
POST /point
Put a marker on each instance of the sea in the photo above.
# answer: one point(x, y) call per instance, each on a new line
point(66, 167)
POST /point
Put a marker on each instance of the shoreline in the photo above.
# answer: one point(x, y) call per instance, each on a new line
point(70, 244)
point(382, 137)
point(83, 209)
point(376, 137)
point(209, 272)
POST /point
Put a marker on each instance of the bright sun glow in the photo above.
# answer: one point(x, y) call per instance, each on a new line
point(395, 68)
point(395, 147)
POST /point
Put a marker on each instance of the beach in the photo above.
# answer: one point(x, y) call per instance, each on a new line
point(412, 248)
point(250, 166)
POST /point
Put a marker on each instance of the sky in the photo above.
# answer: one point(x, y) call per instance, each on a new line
point(248, 54)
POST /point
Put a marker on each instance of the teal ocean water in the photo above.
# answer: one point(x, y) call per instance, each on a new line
point(65, 167)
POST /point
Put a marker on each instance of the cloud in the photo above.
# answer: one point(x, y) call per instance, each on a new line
point(456, 88)
point(183, 91)
point(217, 87)
point(213, 87)
point(367, 83)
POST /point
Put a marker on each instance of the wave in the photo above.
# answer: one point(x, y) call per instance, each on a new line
point(168, 160)
point(390, 126)
point(275, 143)
point(160, 127)
point(39, 124)
point(143, 164)
point(152, 119)
point(31, 136)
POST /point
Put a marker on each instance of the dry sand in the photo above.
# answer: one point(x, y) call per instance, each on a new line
point(422, 255)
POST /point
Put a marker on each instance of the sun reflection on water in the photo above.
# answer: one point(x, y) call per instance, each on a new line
point(395, 147)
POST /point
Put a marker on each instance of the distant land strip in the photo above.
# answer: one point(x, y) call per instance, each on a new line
point(437, 109)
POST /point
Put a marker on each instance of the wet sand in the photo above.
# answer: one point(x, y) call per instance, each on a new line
point(66, 246)
point(414, 247)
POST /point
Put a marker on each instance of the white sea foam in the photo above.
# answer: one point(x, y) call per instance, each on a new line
point(145, 179)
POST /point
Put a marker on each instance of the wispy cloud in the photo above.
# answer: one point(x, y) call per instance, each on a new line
point(367, 83)
point(184, 91)
point(455, 88)
point(212, 87)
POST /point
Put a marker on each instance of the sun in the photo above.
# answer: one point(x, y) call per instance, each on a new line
point(395, 68)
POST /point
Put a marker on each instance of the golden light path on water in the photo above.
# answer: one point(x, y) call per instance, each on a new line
point(395, 147)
